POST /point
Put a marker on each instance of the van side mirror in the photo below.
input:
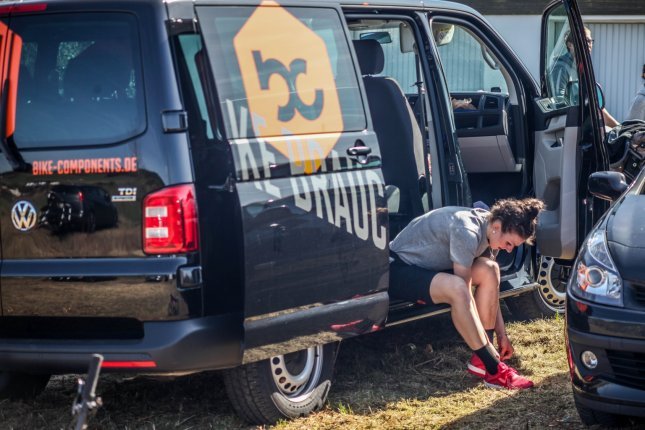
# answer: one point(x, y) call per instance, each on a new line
point(600, 96)
point(607, 185)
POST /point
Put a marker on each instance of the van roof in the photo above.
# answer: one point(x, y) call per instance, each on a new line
point(412, 4)
point(416, 4)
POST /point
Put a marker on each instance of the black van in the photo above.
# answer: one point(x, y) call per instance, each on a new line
point(257, 158)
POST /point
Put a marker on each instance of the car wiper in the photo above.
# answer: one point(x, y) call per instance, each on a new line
point(10, 151)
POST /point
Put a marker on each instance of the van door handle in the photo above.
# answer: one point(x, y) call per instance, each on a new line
point(359, 153)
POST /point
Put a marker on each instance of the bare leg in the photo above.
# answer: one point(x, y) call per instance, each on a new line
point(451, 289)
point(485, 277)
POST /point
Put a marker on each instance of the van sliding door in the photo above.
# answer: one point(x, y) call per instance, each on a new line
point(307, 175)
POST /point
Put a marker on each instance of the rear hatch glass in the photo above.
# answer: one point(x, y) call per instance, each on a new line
point(73, 107)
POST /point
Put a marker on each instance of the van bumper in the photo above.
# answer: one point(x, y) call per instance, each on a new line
point(191, 345)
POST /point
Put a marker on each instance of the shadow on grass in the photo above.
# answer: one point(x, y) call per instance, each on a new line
point(537, 408)
point(196, 401)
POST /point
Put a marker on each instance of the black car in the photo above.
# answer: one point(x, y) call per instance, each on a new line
point(606, 307)
point(78, 208)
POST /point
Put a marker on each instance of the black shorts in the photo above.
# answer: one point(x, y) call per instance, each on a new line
point(411, 283)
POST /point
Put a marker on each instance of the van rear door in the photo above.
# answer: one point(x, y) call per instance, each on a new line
point(72, 179)
point(307, 175)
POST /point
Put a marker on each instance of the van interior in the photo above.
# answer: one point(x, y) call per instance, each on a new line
point(486, 114)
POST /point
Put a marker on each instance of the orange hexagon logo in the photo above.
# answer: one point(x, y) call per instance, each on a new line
point(289, 84)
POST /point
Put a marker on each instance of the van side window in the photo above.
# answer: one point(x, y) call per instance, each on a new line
point(193, 53)
point(79, 80)
point(561, 71)
point(291, 56)
point(386, 53)
point(468, 65)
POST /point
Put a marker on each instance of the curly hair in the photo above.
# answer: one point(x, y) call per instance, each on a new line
point(518, 216)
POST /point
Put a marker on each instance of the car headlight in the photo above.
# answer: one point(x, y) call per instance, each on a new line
point(595, 277)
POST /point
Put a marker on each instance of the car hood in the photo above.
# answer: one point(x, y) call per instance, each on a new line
point(626, 237)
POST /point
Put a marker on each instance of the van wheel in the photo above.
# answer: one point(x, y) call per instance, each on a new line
point(591, 417)
point(284, 386)
point(21, 386)
point(549, 298)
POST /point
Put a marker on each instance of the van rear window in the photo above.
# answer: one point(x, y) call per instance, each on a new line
point(79, 81)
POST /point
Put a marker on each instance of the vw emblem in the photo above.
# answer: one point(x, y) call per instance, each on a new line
point(23, 215)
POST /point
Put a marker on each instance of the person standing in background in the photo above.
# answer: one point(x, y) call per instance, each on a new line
point(637, 110)
point(564, 71)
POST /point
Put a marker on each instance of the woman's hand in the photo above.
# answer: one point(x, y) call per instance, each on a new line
point(504, 346)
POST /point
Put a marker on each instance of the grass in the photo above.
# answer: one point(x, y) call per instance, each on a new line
point(401, 378)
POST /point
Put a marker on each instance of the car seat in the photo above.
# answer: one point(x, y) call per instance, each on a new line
point(399, 137)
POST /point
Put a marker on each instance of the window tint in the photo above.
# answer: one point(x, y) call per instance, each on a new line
point(561, 72)
point(313, 41)
point(79, 80)
point(468, 65)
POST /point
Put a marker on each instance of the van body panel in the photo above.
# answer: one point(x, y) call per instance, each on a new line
point(139, 288)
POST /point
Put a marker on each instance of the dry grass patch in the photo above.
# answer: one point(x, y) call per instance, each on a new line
point(412, 377)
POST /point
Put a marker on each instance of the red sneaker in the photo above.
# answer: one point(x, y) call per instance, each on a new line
point(507, 377)
point(476, 366)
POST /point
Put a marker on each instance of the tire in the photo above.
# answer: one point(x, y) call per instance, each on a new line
point(591, 417)
point(548, 299)
point(288, 386)
point(21, 386)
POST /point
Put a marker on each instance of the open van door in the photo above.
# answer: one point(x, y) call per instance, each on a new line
point(569, 135)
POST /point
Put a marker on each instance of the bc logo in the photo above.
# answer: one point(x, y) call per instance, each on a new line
point(289, 84)
point(23, 215)
point(286, 113)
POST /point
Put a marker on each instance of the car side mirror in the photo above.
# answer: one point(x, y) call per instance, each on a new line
point(607, 185)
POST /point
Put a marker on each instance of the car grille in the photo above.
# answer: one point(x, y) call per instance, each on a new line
point(628, 367)
point(638, 292)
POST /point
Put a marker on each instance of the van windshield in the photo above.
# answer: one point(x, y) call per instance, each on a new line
point(75, 80)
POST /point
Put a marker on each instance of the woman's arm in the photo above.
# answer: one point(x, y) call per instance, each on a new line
point(506, 350)
point(463, 272)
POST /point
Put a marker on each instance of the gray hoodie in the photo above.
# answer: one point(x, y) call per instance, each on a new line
point(637, 111)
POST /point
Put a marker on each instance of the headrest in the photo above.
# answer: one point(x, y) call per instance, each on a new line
point(370, 56)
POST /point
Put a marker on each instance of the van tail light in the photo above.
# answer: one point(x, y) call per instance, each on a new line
point(170, 223)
